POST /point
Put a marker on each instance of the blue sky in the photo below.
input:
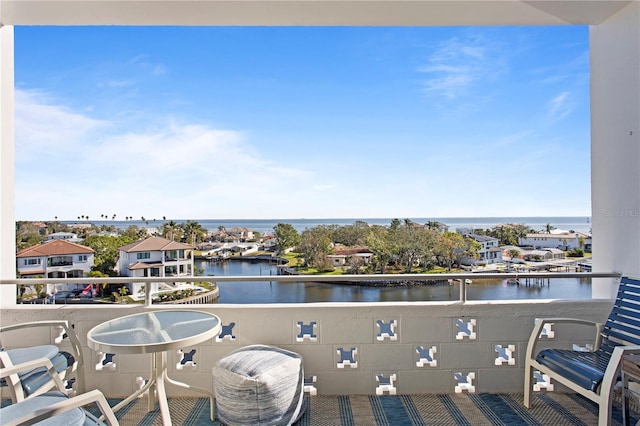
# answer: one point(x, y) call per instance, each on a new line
point(262, 122)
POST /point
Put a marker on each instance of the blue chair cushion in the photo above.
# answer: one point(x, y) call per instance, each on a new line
point(16, 411)
point(35, 379)
point(584, 368)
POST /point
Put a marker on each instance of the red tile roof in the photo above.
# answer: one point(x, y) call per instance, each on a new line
point(54, 248)
point(154, 244)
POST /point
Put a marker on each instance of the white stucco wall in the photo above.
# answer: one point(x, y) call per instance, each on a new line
point(7, 166)
point(615, 145)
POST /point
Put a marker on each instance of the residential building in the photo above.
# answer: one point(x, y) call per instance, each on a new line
point(241, 234)
point(154, 257)
point(563, 241)
point(69, 236)
point(344, 256)
point(490, 251)
point(55, 259)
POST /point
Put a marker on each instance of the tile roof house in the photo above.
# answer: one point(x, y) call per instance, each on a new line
point(55, 259)
point(154, 257)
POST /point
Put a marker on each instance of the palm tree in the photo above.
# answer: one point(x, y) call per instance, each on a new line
point(169, 229)
point(194, 231)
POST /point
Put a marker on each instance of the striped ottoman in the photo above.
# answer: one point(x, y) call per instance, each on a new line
point(259, 385)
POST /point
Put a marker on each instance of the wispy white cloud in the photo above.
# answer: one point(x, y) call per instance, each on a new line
point(65, 164)
point(44, 127)
point(460, 63)
point(560, 106)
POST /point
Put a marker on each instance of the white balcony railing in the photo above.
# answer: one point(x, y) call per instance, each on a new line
point(461, 277)
point(429, 346)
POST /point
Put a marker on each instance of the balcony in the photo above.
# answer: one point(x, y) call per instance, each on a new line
point(432, 348)
point(614, 56)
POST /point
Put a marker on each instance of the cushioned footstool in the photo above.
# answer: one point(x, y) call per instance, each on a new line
point(259, 385)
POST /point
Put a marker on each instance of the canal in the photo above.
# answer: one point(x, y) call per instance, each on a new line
point(301, 292)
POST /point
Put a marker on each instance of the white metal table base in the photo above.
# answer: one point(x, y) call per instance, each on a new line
point(156, 384)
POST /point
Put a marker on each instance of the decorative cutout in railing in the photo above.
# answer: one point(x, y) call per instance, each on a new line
point(309, 386)
point(387, 330)
point(306, 331)
point(186, 359)
point(385, 384)
point(106, 362)
point(466, 329)
point(226, 332)
point(505, 355)
point(61, 335)
point(465, 382)
point(68, 387)
point(586, 348)
point(542, 382)
point(426, 356)
point(141, 382)
point(347, 358)
point(546, 330)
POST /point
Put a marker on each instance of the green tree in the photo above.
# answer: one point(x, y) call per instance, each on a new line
point(413, 244)
point(135, 233)
point(171, 230)
point(315, 244)
point(379, 242)
point(454, 247)
point(27, 235)
point(193, 232)
point(286, 237)
point(514, 253)
point(107, 253)
point(351, 235)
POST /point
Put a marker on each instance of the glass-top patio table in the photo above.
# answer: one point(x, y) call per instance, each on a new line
point(155, 333)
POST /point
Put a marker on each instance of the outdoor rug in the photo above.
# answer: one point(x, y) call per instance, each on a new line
point(549, 409)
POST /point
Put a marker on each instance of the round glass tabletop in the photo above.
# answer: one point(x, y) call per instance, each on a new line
point(155, 331)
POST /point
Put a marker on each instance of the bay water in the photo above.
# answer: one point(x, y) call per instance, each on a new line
point(310, 292)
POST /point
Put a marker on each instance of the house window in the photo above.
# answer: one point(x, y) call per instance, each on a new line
point(82, 258)
point(155, 272)
point(182, 269)
point(32, 261)
point(143, 255)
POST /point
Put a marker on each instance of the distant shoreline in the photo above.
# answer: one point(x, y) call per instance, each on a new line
point(264, 226)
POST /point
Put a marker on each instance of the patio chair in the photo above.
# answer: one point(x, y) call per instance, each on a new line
point(53, 408)
point(591, 374)
point(37, 381)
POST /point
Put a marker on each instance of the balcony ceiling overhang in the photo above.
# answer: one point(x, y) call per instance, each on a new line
point(307, 12)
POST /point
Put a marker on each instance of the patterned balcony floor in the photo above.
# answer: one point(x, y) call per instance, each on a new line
point(554, 409)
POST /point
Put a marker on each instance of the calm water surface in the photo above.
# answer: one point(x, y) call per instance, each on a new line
point(301, 292)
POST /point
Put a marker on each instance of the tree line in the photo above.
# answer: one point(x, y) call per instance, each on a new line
point(403, 246)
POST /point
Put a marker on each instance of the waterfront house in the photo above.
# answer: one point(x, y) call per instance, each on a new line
point(154, 257)
point(344, 256)
point(563, 241)
point(241, 234)
point(55, 258)
point(489, 249)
